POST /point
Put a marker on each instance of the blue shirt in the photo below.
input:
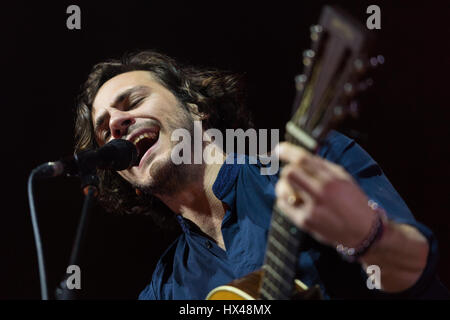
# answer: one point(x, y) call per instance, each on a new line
point(194, 264)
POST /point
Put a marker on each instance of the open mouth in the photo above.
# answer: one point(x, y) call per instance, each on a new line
point(144, 142)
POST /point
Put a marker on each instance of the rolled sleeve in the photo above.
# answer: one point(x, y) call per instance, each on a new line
point(370, 177)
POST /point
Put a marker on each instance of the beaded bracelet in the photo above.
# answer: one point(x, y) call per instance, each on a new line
point(376, 232)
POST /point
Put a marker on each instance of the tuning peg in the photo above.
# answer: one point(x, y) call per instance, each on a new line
point(369, 82)
point(363, 64)
point(308, 55)
point(300, 81)
point(315, 32)
point(338, 111)
point(348, 89)
point(359, 65)
point(353, 109)
point(376, 61)
point(365, 84)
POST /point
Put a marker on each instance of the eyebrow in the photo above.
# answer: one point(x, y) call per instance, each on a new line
point(117, 101)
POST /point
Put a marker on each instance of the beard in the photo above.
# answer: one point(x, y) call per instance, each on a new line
point(169, 178)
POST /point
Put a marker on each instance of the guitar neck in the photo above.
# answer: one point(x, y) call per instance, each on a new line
point(283, 245)
point(280, 263)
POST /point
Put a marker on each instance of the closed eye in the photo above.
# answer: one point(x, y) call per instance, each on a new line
point(136, 103)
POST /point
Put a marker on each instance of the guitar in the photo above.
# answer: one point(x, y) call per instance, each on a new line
point(326, 93)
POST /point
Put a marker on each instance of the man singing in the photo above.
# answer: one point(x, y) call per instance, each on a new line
point(340, 197)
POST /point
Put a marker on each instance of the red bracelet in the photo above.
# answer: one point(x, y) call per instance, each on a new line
point(375, 234)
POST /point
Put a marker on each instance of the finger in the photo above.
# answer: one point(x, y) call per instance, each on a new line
point(300, 180)
point(284, 190)
point(298, 215)
point(313, 170)
point(303, 218)
point(300, 157)
point(293, 154)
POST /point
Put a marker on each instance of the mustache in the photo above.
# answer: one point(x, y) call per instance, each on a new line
point(145, 124)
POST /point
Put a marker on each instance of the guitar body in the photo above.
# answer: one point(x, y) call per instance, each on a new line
point(248, 288)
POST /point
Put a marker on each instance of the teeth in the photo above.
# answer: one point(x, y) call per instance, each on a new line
point(149, 135)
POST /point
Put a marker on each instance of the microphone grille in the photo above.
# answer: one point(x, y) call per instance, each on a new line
point(119, 154)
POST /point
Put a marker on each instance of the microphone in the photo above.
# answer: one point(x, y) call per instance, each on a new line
point(119, 154)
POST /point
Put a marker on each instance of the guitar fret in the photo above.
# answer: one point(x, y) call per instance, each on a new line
point(283, 272)
point(272, 286)
point(279, 294)
point(282, 232)
point(284, 222)
point(273, 273)
point(289, 246)
point(265, 295)
point(269, 290)
point(279, 246)
point(286, 269)
point(280, 263)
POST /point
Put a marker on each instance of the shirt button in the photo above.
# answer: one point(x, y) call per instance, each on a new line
point(208, 244)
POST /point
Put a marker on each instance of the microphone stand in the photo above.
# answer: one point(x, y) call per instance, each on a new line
point(82, 164)
point(89, 185)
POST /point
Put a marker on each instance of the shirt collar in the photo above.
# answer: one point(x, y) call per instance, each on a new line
point(226, 178)
point(223, 187)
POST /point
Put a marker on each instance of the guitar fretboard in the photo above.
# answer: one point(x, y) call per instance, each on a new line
point(281, 258)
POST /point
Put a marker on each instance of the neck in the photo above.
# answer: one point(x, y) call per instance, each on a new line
point(197, 202)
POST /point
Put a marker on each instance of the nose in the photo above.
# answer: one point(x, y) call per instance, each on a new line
point(119, 123)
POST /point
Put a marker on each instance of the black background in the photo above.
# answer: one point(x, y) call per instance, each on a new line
point(43, 64)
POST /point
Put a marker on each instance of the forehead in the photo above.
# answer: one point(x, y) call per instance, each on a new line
point(118, 84)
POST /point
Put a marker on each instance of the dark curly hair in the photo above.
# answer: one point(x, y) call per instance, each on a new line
point(219, 95)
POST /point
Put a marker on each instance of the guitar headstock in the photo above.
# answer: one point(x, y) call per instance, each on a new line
point(334, 73)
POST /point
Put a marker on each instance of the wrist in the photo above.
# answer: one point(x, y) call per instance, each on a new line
point(377, 229)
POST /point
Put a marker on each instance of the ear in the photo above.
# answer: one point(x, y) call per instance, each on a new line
point(195, 113)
